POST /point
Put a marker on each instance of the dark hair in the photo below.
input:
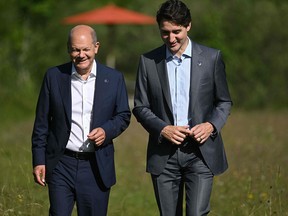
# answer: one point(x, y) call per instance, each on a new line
point(174, 11)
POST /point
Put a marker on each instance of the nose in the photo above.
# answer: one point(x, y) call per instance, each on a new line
point(81, 53)
point(171, 37)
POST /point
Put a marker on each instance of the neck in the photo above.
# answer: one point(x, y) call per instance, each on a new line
point(182, 48)
point(84, 74)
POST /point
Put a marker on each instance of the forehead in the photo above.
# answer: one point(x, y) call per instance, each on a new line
point(81, 40)
point(170, 26)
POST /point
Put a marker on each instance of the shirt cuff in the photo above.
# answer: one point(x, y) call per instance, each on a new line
point(214, 133)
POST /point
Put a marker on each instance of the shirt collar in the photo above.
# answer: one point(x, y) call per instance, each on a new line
point(92, 73)
point(187, 52)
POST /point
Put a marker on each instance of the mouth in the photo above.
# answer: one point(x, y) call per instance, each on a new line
point(81, 61)
point(173, 44)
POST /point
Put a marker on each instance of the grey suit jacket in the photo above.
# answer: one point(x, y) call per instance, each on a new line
point(209, 101)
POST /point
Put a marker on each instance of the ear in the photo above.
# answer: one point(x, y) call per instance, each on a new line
point(189, 27)
point(97, 45)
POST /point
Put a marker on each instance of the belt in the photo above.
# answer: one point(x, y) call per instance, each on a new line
point(79, 155)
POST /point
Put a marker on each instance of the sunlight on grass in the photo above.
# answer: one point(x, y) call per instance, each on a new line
point(254, 185)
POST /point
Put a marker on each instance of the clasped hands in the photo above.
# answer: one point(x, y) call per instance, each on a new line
point(177, 134)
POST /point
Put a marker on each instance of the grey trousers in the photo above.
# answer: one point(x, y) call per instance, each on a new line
point(185, 170)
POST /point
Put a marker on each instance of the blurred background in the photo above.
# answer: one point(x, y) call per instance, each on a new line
point(251, 34)
point(254, 41)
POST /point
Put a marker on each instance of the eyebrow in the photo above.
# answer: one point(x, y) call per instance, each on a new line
point(167, 31)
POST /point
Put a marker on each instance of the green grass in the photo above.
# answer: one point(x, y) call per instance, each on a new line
point(254, 185)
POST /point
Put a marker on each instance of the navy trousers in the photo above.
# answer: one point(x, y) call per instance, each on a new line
point(185, 170)
point(77, 181)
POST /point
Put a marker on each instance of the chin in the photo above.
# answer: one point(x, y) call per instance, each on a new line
point(173, 51)
point(82, 65)
point(80, 69)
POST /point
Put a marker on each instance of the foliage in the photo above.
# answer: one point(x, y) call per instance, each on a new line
point(250, 33)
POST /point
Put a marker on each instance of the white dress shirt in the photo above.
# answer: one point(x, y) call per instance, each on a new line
point(179, 70)
point(82, 92)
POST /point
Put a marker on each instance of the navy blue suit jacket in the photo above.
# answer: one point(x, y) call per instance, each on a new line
point(53, 117)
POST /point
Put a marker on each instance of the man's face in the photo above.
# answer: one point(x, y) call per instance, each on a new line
point(82, 51)
point(174, 36)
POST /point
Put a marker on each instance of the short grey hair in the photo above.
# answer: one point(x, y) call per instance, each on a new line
point(92, 31)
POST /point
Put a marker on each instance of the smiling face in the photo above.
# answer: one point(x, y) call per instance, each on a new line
point(82, 48)
point(174, 36)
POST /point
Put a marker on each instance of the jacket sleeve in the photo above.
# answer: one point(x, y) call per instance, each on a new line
point(41, 125)
point(222, 101)
point(142, 107)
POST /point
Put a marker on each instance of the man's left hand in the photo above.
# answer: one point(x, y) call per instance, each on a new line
point(97, 135)
point(201, 132)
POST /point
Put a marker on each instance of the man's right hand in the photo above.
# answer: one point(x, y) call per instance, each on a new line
point(39, 174)
point(175, 134)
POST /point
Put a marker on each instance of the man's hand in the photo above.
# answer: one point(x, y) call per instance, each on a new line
point(98, 136)
point(201, 132)
point(39, 174)
point(175, 134)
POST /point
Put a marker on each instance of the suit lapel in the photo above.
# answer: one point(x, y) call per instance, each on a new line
point(196, 64)
point(163, 76)
point(65, 89)
point(100, 87)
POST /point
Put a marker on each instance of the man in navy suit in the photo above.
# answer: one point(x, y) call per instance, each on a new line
point(182, 100)
point(82, 107)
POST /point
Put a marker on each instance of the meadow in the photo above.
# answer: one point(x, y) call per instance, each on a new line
point(254, 185)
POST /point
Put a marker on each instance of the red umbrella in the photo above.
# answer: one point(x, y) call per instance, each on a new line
point(110, 15)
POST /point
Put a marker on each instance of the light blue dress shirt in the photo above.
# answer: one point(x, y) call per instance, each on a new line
point(179, 72)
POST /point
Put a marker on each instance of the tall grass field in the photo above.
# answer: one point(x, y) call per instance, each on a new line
point(256, 183)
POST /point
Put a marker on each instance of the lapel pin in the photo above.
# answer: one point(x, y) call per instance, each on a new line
point(199, 63)
point(106, 80)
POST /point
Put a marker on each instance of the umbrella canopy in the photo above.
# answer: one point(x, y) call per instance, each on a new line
point(110, 15)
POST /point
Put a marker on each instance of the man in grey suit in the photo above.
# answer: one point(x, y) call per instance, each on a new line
point(182, 100)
